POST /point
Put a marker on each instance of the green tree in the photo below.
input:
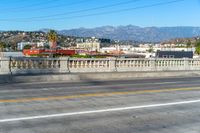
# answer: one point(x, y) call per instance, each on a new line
point(52, 37)
point(189, 44)
point(27, 47)
point(46, 46)
point(150, 50)
point(2, 46)
point(197, 44)
point(197, 47)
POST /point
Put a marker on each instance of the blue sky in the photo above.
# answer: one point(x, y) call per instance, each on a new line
point(66, 14)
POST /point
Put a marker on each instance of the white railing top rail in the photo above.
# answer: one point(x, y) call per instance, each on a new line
point(95, 59)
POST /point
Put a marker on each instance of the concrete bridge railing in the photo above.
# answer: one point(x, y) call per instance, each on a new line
point(67, 65)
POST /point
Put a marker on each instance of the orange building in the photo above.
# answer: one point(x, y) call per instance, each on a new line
point(29, 52)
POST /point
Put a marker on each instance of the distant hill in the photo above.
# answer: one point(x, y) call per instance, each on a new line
point(192, 41)
point(131, 32)
point(11, 38)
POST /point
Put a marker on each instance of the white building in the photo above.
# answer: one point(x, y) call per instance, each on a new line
point(90, 46)
point(108, 49)
point(178, 49)
point(41, 44)
point(21, 45)
point(124, 48)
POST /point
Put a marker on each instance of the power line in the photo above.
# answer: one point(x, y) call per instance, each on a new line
point(50, 7)
point(84, 10)
point(100, 13)
point(91, 9)
point(63, 5)
point(29, 6)
point(115, 11)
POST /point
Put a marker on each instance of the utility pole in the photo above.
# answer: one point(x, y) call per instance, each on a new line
point(118, 48)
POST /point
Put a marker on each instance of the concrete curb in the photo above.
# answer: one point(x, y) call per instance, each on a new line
point(79, 77)
point(137, 75)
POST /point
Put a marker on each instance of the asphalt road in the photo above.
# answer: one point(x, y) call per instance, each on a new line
point(133, 106)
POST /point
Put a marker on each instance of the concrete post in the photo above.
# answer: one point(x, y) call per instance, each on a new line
point(186, 64)
point(112, 65)
point(5, 66)
point(153, 64)
point(64, 65)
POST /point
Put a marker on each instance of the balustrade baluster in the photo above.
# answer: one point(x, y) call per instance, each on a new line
point(73, 65)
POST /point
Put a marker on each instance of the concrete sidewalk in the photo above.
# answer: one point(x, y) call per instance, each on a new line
point(79, 77)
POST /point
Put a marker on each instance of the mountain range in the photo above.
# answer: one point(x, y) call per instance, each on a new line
point(135, 33)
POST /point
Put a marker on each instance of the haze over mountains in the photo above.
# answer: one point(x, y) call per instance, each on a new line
point(136, 33)
point(133, 33)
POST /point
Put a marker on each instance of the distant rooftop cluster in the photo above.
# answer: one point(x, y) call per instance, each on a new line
point(18, 41)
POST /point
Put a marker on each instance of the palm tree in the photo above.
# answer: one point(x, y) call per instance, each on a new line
point(52, 37)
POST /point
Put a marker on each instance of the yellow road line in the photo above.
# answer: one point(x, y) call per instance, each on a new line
point(94, 95)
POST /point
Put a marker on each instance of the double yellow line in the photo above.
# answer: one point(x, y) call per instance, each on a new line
point(94, 95)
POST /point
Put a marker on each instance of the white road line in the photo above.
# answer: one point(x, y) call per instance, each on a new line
point(97, 111)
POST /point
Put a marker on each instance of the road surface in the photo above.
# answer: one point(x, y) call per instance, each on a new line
point(132, 106)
